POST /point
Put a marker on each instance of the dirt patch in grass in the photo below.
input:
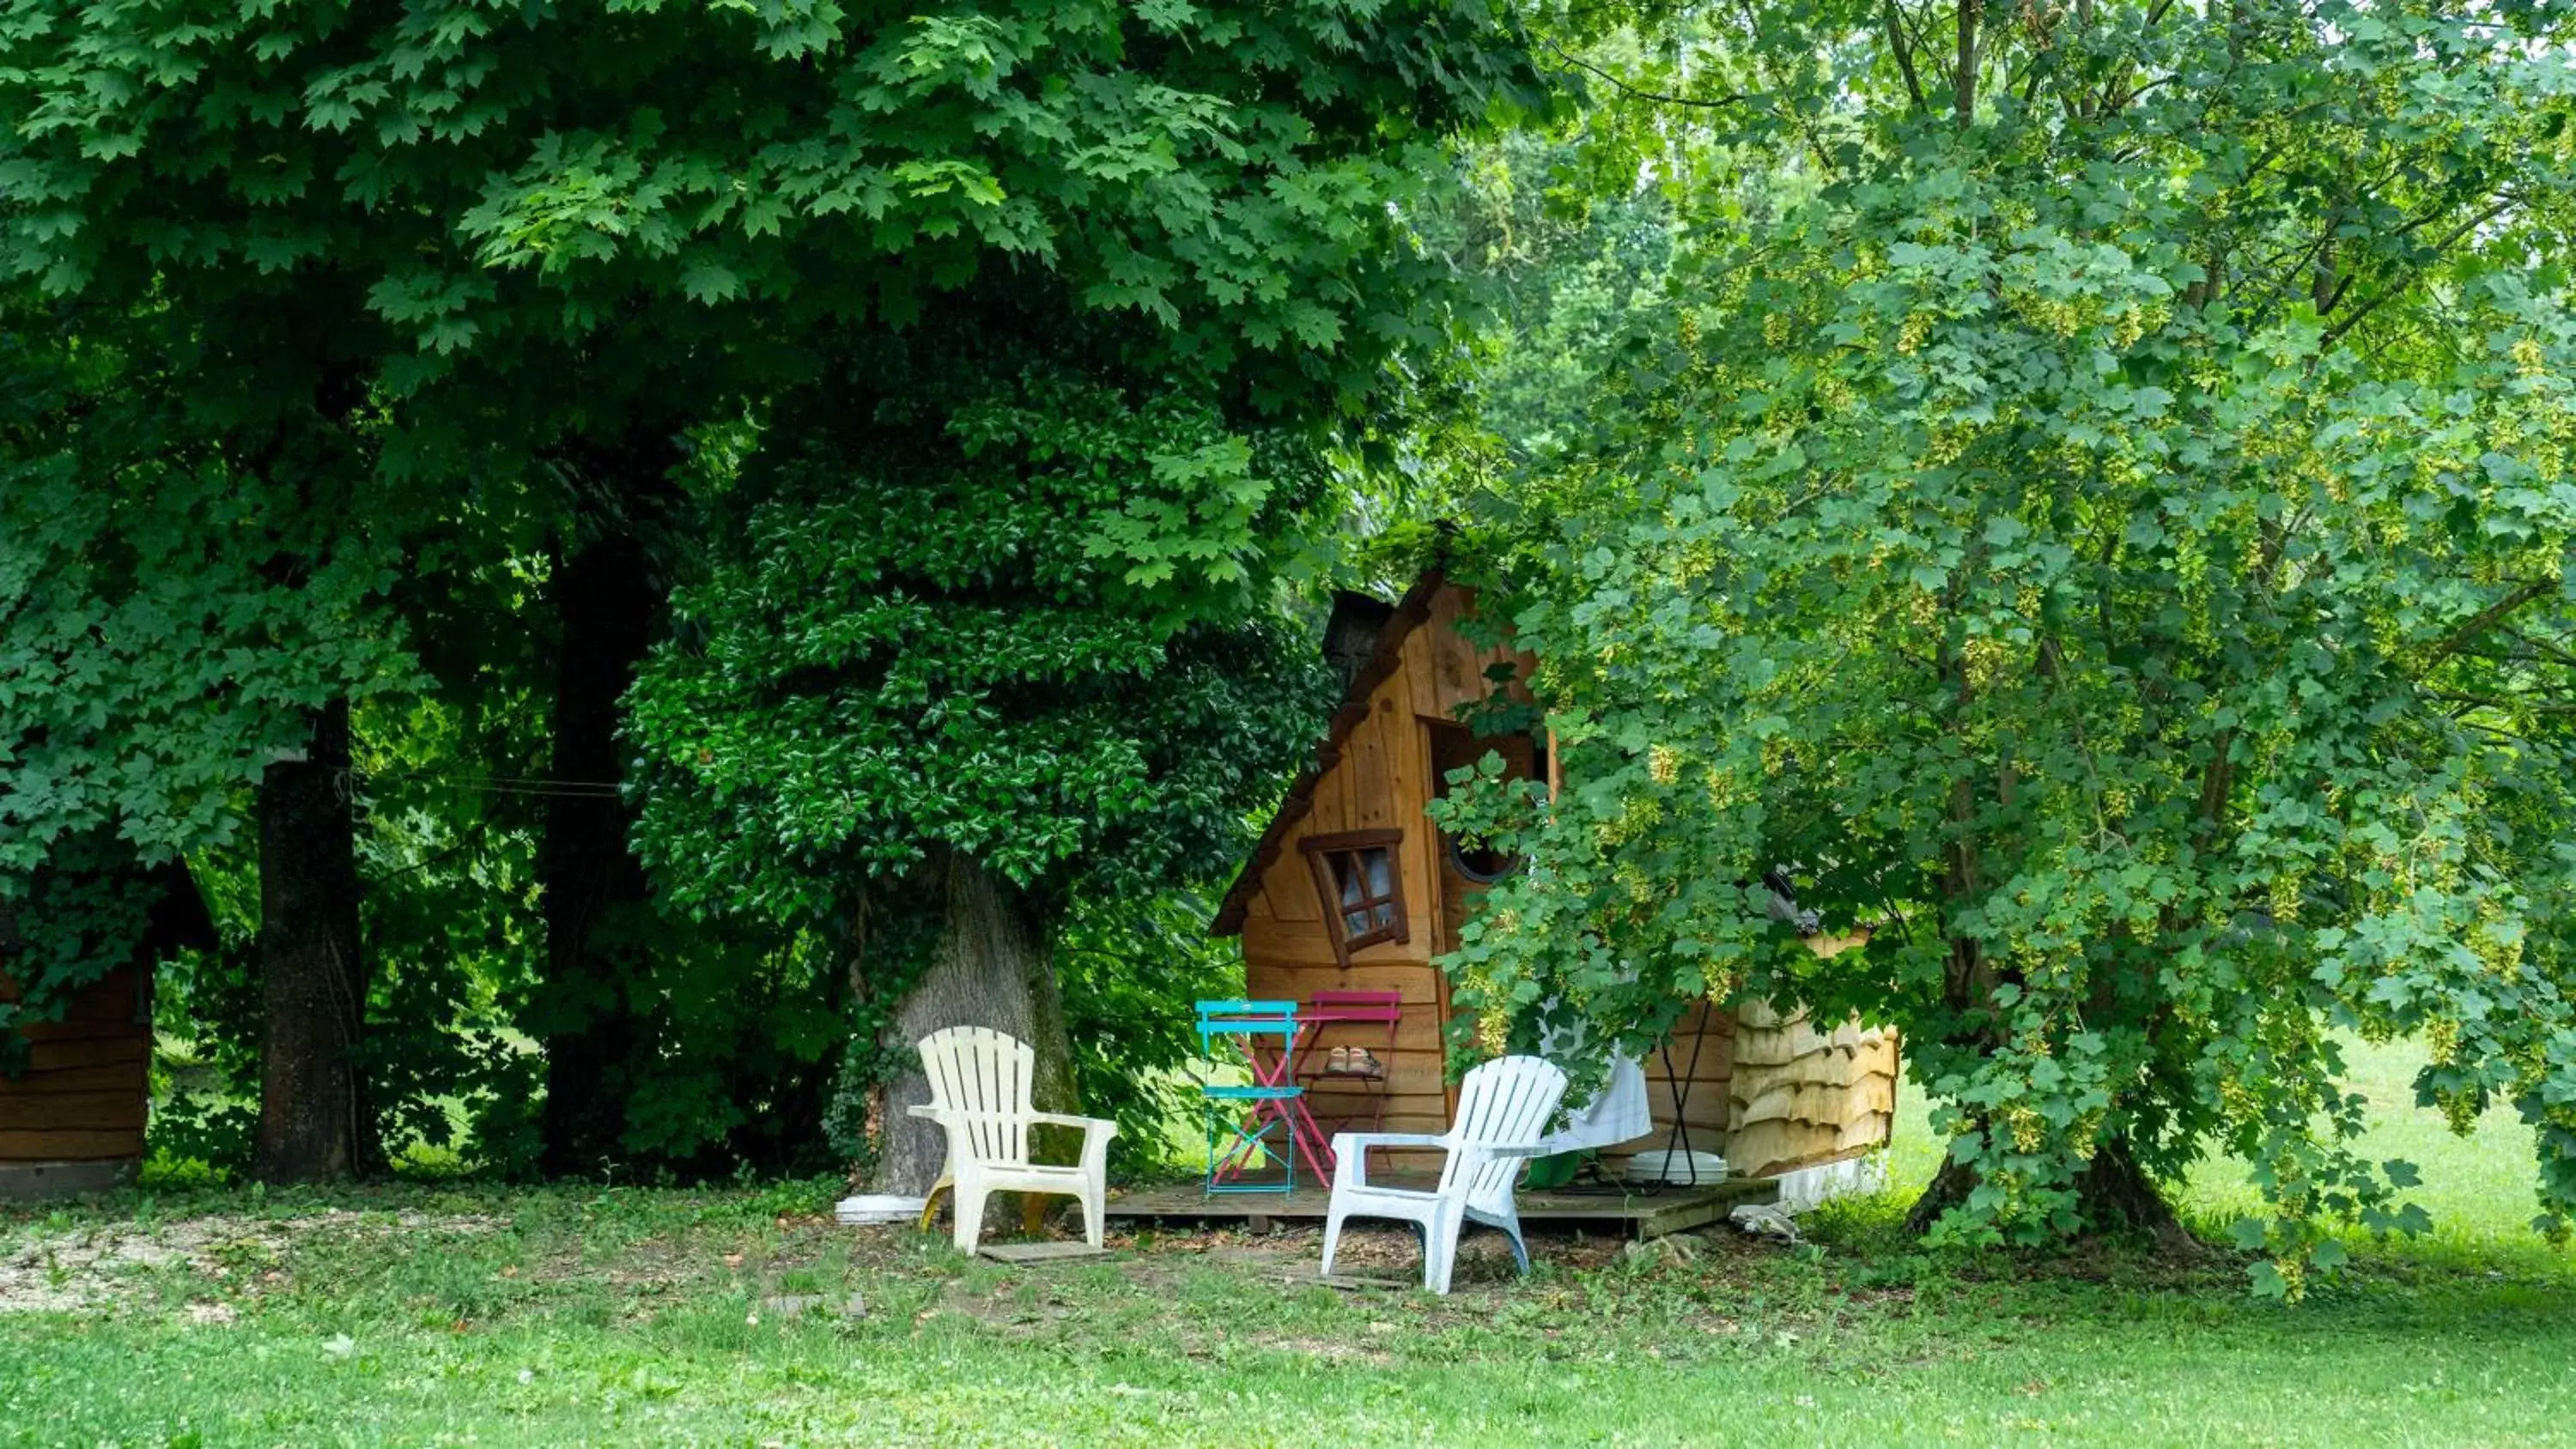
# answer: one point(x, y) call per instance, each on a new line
point(1164, 1286)
point(1392, 1253)
point(73, 1270)
point(1331, 1350)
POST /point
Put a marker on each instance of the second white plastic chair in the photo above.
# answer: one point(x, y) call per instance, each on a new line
point(1504, 1107)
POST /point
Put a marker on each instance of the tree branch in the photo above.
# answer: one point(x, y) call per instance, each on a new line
point(2487, 618)
point(1905, 57)
point(2503, 702)
point(2397, 289)
point(2554, 651)
point(1964, 85)
point(1713, 103)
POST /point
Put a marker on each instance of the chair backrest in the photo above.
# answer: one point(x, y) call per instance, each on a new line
point(1266, 1014)
point(983, 1085)
point(1244, 1019)
point(1506, 1102)
point(1356, 1005)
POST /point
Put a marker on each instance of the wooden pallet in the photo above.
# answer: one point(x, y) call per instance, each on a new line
point(1637, 1215)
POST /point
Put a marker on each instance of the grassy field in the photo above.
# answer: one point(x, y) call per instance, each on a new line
point(2478, 1189)
point(454, 1315)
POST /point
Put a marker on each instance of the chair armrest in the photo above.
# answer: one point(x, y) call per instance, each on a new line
point(1096, 1132)
point(925, 1112)
point(1366, 1140)
point(1350, 1151)
point(1101, 1125)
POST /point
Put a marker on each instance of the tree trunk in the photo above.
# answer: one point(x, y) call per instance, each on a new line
point(2115, 1195)
point(313, 983)
point(990, 966)
point(606, 600)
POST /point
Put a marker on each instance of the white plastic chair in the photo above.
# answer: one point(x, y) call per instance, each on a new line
point(1503, 1110)
point(981, 1085)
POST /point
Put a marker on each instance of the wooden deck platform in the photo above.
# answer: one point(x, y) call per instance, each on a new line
point(1645, 1214)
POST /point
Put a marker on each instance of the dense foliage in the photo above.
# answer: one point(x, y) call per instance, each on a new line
point(168, 610)
point(2080, 490)
point(870, 679)
point(448, 865)
point(2098, 511)
point(366, 366)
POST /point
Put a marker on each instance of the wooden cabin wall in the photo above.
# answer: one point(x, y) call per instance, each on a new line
point(86, 1090)
point(1803, 1097)
point(1380, 781)
point(1768, 1092)
point(1448, 670)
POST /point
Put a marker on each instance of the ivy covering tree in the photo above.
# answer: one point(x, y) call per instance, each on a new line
point(2098, 512)
point(990, 642)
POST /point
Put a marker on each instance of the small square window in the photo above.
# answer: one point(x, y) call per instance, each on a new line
point(1362, 886)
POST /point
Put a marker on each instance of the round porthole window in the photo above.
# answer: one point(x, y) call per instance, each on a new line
point(1482, 863)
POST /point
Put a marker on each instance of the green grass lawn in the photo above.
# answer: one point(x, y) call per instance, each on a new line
point(464, 1315)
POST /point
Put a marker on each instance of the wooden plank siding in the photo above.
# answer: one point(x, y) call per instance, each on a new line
point(86, 1089)
point(1381, 776)
point(115, 1076)
point(1381, 780)
point(1706, 1101)
point(34, 1144)
point(1457, 666)
point(1416, 1086)
point(125, 1050)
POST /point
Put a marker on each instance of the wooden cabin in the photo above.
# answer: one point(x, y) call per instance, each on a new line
point(1773, 1094)
point(72, 1118)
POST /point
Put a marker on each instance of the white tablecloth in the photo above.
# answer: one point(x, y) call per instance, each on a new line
point(1618, 1113)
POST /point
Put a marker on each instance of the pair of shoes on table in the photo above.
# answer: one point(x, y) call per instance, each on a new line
point(1352, 1062)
